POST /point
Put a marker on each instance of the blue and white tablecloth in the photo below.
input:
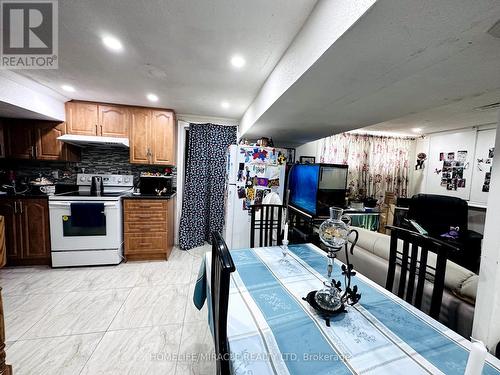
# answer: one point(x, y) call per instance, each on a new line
point(271, 330)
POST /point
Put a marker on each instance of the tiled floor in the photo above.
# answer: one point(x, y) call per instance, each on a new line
point(135, 318)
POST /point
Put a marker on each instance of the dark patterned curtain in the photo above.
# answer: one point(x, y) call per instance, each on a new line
point(203, 199)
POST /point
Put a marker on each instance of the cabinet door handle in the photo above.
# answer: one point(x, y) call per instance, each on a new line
point(15, 207)
point(21, 206)
point(101, 130)
point(96, 130)
point(32, 152)
point(36, 152)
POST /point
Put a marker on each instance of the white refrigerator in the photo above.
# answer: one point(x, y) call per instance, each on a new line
point(252, 172)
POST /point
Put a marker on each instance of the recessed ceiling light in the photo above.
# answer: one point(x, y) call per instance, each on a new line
point(238, 61)
point(152, 97)
point(416, 130)
point(225, 104)
point(68, 88)
point(112, 43)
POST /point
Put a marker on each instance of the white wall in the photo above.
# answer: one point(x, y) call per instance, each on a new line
point(308, 149)
point(31, 96)
point(486, 323)
point(418, 178)
point(326, 23)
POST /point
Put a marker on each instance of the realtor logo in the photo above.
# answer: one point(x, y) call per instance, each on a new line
point(29, 37)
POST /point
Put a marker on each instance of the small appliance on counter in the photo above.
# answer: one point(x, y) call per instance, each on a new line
point(155, 184)
point(97, 186)
point(42, 186)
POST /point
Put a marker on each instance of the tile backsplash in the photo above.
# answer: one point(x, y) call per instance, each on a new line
point(99, 160)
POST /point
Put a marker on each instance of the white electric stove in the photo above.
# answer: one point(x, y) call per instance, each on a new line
point(96, 236)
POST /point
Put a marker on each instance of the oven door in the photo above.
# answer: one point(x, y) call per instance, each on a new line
point(67, 237)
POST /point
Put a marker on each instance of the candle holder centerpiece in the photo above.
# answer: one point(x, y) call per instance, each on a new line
point(334, 234)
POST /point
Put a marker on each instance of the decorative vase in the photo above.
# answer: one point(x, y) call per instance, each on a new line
point(333, 232)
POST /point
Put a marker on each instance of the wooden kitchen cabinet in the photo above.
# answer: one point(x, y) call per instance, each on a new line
point(148, 228)
point(2, 140)
point(20, 139)
point(27, 235)
point(113, 121)
point(47, 147)
point(105, 120)
point(82, 118)
point(34, 139)
point(152, 137)
point(163, 137)
point(140, 136)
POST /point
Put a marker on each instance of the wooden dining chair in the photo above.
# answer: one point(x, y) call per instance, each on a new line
point(412, 259)
point(266, 219)
point(222, 266)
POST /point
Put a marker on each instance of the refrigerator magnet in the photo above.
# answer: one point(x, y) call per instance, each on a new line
point(259, 170)
point(262, 181)
point(250, 194)
point(241, 192)
point(273, 183)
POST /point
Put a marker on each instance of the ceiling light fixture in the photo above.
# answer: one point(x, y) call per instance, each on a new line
point(68, 88)
point(225, 104)
point(416, 130)
point(152, 97)
point(238, 61)
point(112, 43)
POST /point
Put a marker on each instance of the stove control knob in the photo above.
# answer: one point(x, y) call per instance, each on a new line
point(127, 179)
point(119, 180)
point(89, 179)
point(82, 178)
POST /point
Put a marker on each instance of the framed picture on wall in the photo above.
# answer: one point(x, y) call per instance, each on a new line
point(290, 155)
point(307, 160)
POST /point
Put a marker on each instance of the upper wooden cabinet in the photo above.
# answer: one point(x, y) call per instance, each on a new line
point(152, 137)
point(82, 118)
point(33, 139)
point(47, 147)
point(163, 137)
point(140, 136)
point(2, 140)
point(97, 119)
point(113, 121)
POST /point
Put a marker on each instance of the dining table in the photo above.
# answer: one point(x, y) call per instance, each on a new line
point(271, 329)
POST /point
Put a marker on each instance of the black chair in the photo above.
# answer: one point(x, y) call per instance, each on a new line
point(413, 265)
point(222, 266)
point(265, 219)
point(436, 214)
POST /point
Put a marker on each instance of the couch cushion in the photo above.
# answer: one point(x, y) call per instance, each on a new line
point(458, 280)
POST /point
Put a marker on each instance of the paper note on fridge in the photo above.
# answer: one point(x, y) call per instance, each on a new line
point(272, 172)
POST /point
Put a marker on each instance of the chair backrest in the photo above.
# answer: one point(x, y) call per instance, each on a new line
point(437, 213)
point(414, 267)
point(266, 224)
point(222, 266)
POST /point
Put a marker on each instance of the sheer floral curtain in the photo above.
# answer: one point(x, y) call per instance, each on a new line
point(376, 163)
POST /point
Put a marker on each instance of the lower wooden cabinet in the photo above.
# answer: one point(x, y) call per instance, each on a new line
point(148, 228)
point(27, 235)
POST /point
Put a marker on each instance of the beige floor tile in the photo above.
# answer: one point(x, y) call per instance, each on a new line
point(23, 311)
point(147, 351)
point(152, 305)
point(80, 312)
point(64, 355)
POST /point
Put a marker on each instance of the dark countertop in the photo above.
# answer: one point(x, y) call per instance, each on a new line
point(132, 196)
point(23, 196)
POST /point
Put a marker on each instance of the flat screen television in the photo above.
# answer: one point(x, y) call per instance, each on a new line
point(314, 188)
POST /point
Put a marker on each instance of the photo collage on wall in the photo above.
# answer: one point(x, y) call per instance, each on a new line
point(452, 172)
point(260, 174)
point(484, 165)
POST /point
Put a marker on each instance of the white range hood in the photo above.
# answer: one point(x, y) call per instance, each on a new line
point(92, 140)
